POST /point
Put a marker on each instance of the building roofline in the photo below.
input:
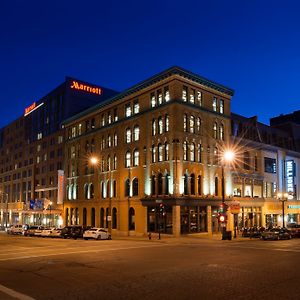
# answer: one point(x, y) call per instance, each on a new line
point(175, 70)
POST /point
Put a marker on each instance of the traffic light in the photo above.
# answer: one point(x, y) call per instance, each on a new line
point(162, 209)
point(223, 208)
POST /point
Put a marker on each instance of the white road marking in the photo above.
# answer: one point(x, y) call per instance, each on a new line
point(14, 293)
point(269, 249)
point(74, 252)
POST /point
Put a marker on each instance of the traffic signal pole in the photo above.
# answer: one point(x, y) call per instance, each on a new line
point(224, 212)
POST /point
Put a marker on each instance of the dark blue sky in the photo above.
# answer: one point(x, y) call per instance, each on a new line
point(250, 46)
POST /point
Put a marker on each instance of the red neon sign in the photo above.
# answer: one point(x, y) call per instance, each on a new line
point(87, 88)
point(29, 109)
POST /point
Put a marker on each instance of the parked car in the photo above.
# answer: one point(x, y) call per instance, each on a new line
point(15, 229)
point(38, 231)
point(97, 234)
point(253, 232)
point(295, 230)
point(46, 232)
point(55, 232)
point(73, 232)
point(276, 234)
point(30, 230)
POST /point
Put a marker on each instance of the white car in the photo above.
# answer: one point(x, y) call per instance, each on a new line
point(15, 229)
point(55, 232)
point(46, 232)
point(97, 234)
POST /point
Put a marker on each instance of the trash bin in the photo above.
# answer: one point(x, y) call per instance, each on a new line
point(227, 235)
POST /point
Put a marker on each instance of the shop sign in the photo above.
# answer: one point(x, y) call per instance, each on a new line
point(294, 206)
point(289, 174)
point(31, 108)
point(235, 207)
point(86, 88)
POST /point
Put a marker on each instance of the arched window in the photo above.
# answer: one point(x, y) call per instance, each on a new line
point(76, 216)
point(160, 125)
point(221, 132)
point(114, 218)
point(167, 184)
point(67, 217)
point(127, 187)
point(114, 188)
point(153, 154)
point(108, 189)
point(93, 217)
point(159, 184)
point(167, 157)
point(136, 156)
point(128, 135)
point(186, 184)
point(160, 152)
point(71, 216)
point(153, 187)
point(115, 140)
point(75, 191)
point(135, 187)
point(192, 124)
point(109, 144)
point(136, 133)
point(185, 154)
point(199, 185)
point(115, 162)
point(70, 188)
point(167, 123)
point(84, 217)
point(216, 186)
point(153, 100)
point(216, 156)
point(185, 123)
point(128, 159)
point(102, 217)
point(193, 190)
point(215, 130)
point(131, 224)
point(200, 151)
point(86, 191)
point(107, 212)
point(192, 152)
point(91, 191)
point(198, 125)
point(153, 127)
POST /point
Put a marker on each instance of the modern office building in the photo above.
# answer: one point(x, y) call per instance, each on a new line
point(155, 149)
point(32, 154)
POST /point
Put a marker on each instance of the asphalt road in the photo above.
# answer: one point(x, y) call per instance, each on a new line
point(185, 268)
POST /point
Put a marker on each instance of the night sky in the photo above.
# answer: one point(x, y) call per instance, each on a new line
point(252, 47)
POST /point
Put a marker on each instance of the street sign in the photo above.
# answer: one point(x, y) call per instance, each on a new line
point(235, 207)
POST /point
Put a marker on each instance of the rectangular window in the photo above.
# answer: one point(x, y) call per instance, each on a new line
point(159, 97)
point(192, 96)
point(199, 98)
point(127, 110)
point(184, 93)
point(136, 107)
point(215, 104)
point(116, 114)
point(221, 106)
point(166, 94)
point(153, 100)
point(270, 165)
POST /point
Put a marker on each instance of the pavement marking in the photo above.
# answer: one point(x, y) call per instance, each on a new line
point(14, 293)
point(263, 248)
point(75, 252)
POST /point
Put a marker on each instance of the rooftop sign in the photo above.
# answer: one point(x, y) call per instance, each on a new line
point(87, 88)
point(31, 108)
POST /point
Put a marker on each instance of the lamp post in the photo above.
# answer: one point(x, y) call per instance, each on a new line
point(228, 157)
point(50, 206)
point(283, 198)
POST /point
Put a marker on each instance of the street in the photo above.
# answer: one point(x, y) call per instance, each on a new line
point(135, 268)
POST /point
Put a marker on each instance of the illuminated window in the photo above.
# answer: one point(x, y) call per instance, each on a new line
point(102, 120)
point(115, 140)
point(199, 98)
point(136, 107)
point(166, 94)
point(185, 122)
point(184, 93)
point(160, 152)
point(109, 141)
point(108, 163)
point(167, 151)
point(192, 96)
point(93, 123)
point(167, 123)
point(39, 147)
point(215, 104)
point(153, 154)
point(192, 152)
point(185, 154)
point(153, 127)
point(109, 118)
point(127, 159)
point(192, 124)
point(128, 135)
point(116, 114)
point(136, 156)
point(136, 133)
point(159, 97)
point(61, 139)
point(216, 156)
point(221, 132)
point(160, 125)
point(127, 110)
point(198, 125)
point(221, 106)
point(215, 130)
point(73, 132)
point(115, 163)
point(103, 143)
point(153, 100)
point(40, 136)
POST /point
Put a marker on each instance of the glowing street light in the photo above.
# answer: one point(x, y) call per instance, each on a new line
point(94, 160)
point(282, 197)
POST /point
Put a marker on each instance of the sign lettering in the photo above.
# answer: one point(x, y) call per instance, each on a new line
point(89, 89)
point(31, 108)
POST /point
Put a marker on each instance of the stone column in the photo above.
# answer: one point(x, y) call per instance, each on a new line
point(209, 222)
point(263, 216)
point(176, 220)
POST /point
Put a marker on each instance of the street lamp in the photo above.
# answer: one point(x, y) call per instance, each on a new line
point(282, 197)
point(50, 206)
point(228, 157)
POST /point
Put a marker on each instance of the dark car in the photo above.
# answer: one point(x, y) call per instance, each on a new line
point(73, 232)
point(252, 232)
point(295, 230)
point(276, 234)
